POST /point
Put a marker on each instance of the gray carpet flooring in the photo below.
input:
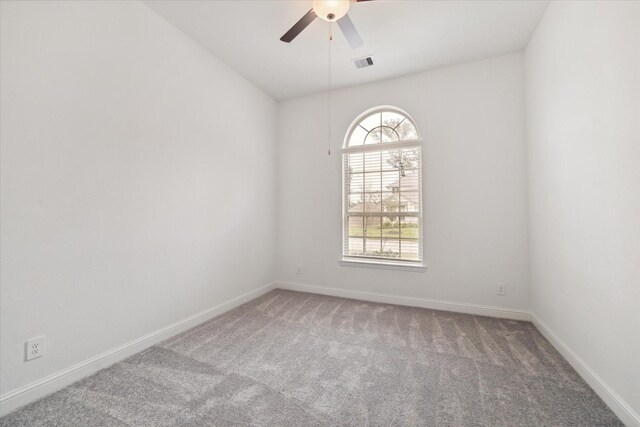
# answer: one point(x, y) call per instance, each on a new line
point(297, 359)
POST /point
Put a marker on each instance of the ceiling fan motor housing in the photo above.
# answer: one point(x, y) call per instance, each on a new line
point(331, 10)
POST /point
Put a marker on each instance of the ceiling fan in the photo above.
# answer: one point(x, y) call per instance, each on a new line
point(330, 11)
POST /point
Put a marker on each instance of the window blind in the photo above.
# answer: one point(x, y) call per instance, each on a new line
point(383, 192)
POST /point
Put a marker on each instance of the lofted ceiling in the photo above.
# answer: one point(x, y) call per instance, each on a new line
point(404, 36)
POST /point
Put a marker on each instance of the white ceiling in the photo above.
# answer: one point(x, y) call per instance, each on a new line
point(404, 36)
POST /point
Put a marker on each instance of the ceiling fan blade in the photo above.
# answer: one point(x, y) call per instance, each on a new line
point(359, 1)
point(350, 32)
point(299, 26)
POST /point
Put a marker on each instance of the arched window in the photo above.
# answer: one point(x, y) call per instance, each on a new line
point(382, 188)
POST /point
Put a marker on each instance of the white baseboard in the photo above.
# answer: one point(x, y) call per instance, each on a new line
point(626, 414)
point(481, 310)
point(37, 389)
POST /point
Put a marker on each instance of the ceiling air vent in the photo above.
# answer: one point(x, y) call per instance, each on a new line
point(366, 61)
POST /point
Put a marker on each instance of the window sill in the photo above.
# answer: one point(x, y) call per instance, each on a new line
point(354, 262)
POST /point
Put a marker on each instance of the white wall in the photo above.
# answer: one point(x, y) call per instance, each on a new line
point(138, 179)
point(122, 209)
point(583, 121)
point(472, 120)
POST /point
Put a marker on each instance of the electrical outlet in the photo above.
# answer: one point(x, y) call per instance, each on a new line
point(298, 269)
point(501, 289)
point(35, 347)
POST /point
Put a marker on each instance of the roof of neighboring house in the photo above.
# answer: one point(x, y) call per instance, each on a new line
point(408, 186)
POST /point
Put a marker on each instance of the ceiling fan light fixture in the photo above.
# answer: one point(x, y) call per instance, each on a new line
point(331, 10)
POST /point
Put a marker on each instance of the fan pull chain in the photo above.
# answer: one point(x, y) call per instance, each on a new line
point(329, 94)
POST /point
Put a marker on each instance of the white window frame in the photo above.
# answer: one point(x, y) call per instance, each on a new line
point(373, 262)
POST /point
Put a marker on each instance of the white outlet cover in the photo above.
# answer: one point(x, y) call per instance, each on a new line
point(35, 347)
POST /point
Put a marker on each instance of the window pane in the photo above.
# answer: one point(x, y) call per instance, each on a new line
point(371, 122)
point(356, 203)
point(390, 248)
point(390, 202)
point(391, 181)
point(374, 137)
point(372, 162)
point(410, 250)
point(391, 227)
point(389, 134)
point(401, 160)
point(356, 183)
point(409, 201)
point(357, 136)
point(409, 227)
point(372, 202)
point(392, 119)
point(411, 153)
point(355, 226)
point(388, 160)
point(409, 182)
point(373, 247)
point(356, 246)
point(406, 131)
point(372, 226)
point(355, 162)
point(372, 181)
